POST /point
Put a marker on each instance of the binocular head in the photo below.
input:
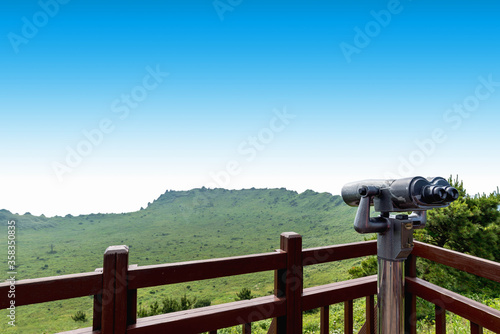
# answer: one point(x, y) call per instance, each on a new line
point(400, 195)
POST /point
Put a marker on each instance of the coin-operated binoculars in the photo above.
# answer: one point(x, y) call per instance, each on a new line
point(395, 232)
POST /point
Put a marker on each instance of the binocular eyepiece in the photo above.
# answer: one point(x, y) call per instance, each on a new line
point(399, 195)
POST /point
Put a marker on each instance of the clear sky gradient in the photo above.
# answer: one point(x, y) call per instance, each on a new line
point(105, 106)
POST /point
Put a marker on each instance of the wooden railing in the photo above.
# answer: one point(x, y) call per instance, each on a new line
point(444, 300)
point(115, 286)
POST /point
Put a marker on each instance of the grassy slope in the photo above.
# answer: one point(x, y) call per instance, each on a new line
point(178, 226)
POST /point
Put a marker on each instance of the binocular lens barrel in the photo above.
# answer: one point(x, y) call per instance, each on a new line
point(434, 194)
point(400, 195)
point(452, 194)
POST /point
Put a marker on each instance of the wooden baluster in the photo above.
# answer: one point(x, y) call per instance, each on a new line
point(131, 307)
point(348, 317)
point(440, 320)
point(370, 314)
point(131, 300)
point(97, 317)
point(278, 326)
point(247, 328)
point(475, 328)
point(410, 299)
point(272, 327)
point(324, 326)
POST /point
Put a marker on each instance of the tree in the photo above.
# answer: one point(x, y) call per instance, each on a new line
point(52, 251)
point(202, 302)
point(367, 267)
point(470, 225)
point(79, 316)
point(186, 303)
point(172, 305)
point(244, 293)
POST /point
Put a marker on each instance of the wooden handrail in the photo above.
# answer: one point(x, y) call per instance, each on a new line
point(47, 289)
point(478, 314)
point(468, 263)
point(334, 293)
point(202, 319)
point(211, 318)
point(469, 309)
point(171, 273)
point(338, 252)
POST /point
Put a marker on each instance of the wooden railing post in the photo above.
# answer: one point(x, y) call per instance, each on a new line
point(115, 290)
point(289, 283)
point(410, 299)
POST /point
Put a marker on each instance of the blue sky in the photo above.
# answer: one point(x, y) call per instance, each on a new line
point(107, 105)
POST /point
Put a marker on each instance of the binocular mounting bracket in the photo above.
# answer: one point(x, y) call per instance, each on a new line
point(395, 232)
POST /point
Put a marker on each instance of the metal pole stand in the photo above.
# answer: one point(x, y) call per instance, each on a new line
point(393, 247)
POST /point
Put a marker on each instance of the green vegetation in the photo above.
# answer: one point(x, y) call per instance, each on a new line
point(244, 294)
point(470, 225)
point(367, 267)
point(171, 305)
point(79, 316)
point(178, 226)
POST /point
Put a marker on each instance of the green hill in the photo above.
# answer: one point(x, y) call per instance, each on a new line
point(178, 226)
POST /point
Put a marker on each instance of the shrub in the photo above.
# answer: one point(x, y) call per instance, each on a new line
point(79, 316)
point(202, 303)
point(170, 305)
point(245, 293)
